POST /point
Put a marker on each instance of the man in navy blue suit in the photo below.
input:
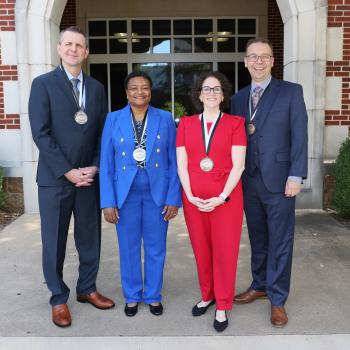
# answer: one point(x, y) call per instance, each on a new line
point(276, 164)
point(66, 111)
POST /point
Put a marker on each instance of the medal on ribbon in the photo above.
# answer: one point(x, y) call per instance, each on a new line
point(139, 152)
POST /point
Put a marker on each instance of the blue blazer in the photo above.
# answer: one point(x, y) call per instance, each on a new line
point(63, 144)
point(118, 167)
point(281, 131)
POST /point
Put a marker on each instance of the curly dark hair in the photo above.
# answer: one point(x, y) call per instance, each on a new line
point(225, 85)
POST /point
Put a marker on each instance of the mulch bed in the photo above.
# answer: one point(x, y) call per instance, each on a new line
point(6, 217)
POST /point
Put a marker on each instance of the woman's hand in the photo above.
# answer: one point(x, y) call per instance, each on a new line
point(198, 202)
point(211, 203)
point(170, 212)
point(111, 215)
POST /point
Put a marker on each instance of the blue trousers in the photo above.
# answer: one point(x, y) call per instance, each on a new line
point(140, 219)
point(270, 220)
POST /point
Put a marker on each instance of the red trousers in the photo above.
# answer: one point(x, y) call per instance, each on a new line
point(215, 239)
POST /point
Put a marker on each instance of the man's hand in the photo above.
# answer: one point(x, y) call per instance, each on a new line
point(111, 215)
point(88, 174)
point(74, 176)
point(292, 188)
point(170, 212)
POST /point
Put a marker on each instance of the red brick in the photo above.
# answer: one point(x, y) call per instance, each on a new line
point(332, 111)
point(329, 122)
point(12, 127)
point(345, 122)
point(344, 117)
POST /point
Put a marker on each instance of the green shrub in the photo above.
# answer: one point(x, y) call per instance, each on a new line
point(179, 109)
point(2, 194)
point(341, 193)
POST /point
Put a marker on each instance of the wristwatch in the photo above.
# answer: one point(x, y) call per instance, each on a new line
point(224, 197)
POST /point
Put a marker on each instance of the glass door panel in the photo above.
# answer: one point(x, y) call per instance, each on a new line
point(185, 74)
point(118, 73)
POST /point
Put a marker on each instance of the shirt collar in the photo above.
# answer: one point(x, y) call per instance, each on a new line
point(264, 84)
point(70, 76)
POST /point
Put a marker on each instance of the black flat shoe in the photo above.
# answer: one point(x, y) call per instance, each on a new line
point(131, 311)
point(199, 311)
point(156, 310)
point(220, 326)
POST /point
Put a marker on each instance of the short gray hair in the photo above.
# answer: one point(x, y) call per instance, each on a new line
point(73, 29)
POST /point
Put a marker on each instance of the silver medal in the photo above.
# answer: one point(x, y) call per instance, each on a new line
point(206, 164)
point(81, 117)
point(139, 154)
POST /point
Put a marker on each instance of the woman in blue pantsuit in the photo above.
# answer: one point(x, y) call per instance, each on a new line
point(140, 190)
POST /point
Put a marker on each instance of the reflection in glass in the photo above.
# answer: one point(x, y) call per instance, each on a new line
point(161, 45)
point(182, 27)
point(228, 68)
point(99, 72)
point(226, 44)
point(160, 74)
point(97, 28)
point(140, 27)
point(185, 75)
point(244, 78)
point(117, 46)
point(141, 45)
point(161, 27)
point(98, 46)
point(226, 25)
point(117, 27)
point(246, 26)
point(203, 26)
point(118, 73)
point(203, 44)
point(182, 45)
point(242, 41)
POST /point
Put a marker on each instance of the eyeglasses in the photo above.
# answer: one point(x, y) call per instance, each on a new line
point(207, 89)
point(254, 58)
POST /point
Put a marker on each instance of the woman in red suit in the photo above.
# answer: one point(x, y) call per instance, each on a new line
point(211, 154)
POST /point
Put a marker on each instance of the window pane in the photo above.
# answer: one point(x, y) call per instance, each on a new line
point(182, 45)
point(160, 74)
point(242, 42)
point(246, 26)
point(97, 28)
point(161, 27)
point(244, 78)
point(203, 44)
point(98, 46)
point(118, 45)
point(226, 44)
point(140, 27)
point(185, 75)
point(161, 45)
point(228, 68)
point(203, 26)
point(226, 25)
point(118, 72)
point(99, 72)
point(182, 27)
point(140, 45)
point(117, 27)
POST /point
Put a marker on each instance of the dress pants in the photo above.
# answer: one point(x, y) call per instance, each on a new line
point(141, 219)
point(56, 206)
point(270, 220)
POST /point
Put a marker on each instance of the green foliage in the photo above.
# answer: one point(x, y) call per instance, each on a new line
point(341, 194)
point(2, 194)
point(179, 109)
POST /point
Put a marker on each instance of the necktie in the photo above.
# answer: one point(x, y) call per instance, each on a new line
point(257, 92)
point(75, 83)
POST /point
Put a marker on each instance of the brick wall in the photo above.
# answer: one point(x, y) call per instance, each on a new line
point(7, 23)
point(69, 17)
point(339, 16)
point(275, 35)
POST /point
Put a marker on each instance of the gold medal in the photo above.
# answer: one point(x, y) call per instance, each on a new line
point(81, 117)
point(139, 154)
point(206, 164)
point(251, 128)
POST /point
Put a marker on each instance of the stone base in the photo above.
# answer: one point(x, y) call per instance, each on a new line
point(13, 188)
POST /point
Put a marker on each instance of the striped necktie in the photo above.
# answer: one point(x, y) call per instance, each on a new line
point(257, 92)
point(75, 83)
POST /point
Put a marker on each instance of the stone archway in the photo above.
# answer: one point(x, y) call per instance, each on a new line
point(305, 25)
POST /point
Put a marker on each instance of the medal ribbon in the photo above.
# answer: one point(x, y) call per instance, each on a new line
point(139, 136)
point(208, 136)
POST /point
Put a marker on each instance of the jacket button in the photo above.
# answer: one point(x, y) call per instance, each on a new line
point(158, 150)
point(158, 136)
point(124, 167)
point(157, 165)
point(121, 140)
point(123, 154)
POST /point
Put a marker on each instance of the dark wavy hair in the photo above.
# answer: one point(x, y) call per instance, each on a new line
point(136, 74)
point(225, 85)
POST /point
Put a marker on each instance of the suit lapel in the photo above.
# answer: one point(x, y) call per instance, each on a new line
point(246, 96)
point(64, 84)
point(268, 98)
point(87, 106)
point(152, 130)
point(125, 124)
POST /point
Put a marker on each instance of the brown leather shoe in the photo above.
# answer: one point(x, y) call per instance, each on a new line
point(249, 296)
point(61, 315)
point(278, 316)
point(96, 299)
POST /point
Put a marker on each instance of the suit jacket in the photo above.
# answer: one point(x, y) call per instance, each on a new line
point(281, 127)
point(118, 167)
point(63, 144)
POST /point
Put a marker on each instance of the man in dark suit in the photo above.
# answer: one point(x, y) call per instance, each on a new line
point(276, 163)
point(66, 111)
